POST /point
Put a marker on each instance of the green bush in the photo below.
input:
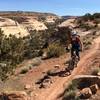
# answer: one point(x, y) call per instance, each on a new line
point(86, 26)
point(55, 50)
point(70, 91)
point(19, 19)
point(90, 17)
point(71, 95)
point(87, 42)
point(82, 21)
point(72, 86)
point(14, 50)
point(5, 70)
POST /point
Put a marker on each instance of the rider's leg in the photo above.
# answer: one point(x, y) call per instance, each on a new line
point(72, 52)
point(77, 53)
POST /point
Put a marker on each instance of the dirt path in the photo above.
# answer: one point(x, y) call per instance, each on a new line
point(58, 86)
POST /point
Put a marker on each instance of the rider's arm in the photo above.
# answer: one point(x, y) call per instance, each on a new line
point(81, 45)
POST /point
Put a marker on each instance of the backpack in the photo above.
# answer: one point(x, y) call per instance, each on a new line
point(75, 41)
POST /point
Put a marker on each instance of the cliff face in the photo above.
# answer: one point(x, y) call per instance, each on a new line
point(23, 22)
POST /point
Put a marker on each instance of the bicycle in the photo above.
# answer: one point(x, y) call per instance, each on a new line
point(73, 62)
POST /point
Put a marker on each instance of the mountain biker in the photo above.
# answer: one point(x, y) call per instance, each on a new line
point(76, 45)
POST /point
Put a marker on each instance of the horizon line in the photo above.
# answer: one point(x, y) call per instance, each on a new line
point(29, 11)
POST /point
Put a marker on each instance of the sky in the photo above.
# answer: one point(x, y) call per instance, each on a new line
point(59, 7)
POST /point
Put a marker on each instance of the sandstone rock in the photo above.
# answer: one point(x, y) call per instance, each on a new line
point(14, 95)
point(44, 56)
point(42, 79)
point(94, 88)
point(88, 79)
point(27, 86)
point(57, 66)
point(85, 93)
point(98, 73)
point(67, 23)
point(53, 72)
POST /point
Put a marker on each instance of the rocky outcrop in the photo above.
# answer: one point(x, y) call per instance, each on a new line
point(69, 22)
point(87, 80)
point(10, 26)
point(94, 88)
point(21, 23)
point(85, 93)
point(53, 72)
point(88, 85)
point(27, 87)
point(44, 56)
point(14, 95)
point(98, 73)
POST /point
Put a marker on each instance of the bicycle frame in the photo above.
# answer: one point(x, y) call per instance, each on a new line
point(74, 60)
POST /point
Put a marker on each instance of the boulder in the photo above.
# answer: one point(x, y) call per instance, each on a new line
point(27, 86)
point(14, 95)
point(87, 80)
point(94, 88)
point(36, 61)
point(98, 73)
point(44, 56)
point(57, 66)
point(42, 79)
point(53, 72)
point(85, 93)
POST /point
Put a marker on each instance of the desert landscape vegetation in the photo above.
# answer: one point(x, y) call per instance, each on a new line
point(34, 59)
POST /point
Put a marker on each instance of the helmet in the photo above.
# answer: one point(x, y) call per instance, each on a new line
point(74, 33)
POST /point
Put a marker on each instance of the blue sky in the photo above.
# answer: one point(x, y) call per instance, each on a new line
point(59, 7)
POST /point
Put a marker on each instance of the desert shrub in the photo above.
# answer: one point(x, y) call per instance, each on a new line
point(35, 44)
point(82, 21)
point(87, 17)
point(96, 15)
point(72, 86)
point(24, 70)
point(14, 50)
point(70, 92)
point(95, 71)
point(86, 26)
point(36, 61)
point(42, 18)
point(19, 19)
point(5, 70)
point(71, 95)
point(11, 53)
point(55, 24)
point(86, 47)
point(55, 50)
point(11, 49)
point(87, 42)
point(90, 17)
point(51, 26)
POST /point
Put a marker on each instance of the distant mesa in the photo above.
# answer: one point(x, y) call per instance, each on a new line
point(15, 22)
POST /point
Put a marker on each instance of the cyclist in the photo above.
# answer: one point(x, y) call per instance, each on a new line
point(76, 44)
